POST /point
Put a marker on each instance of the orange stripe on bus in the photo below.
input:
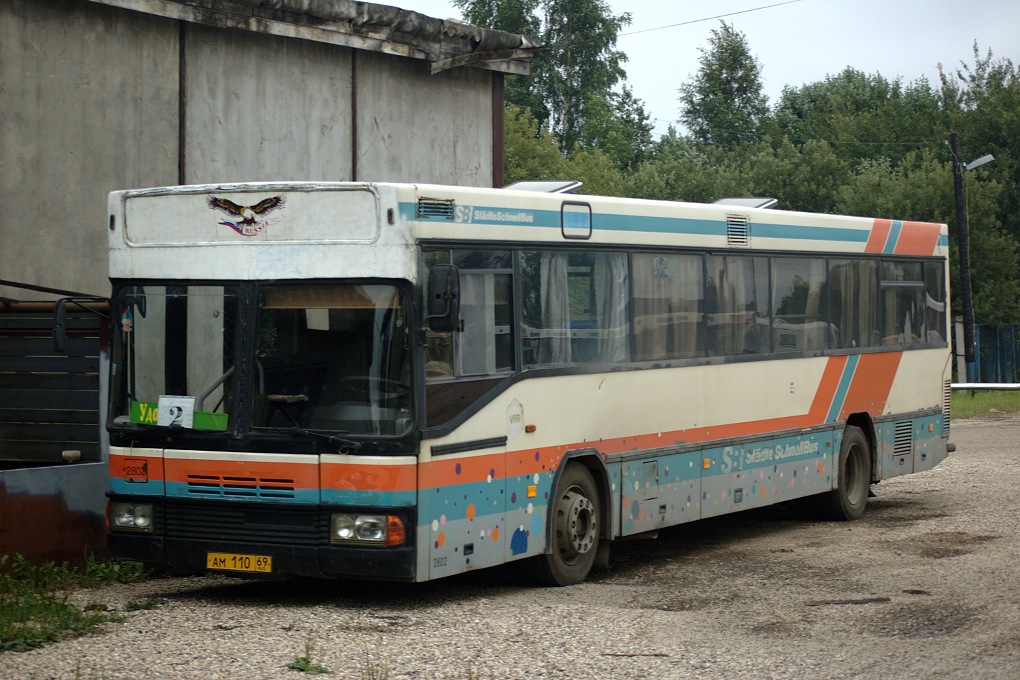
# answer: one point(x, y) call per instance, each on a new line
point(153, 466)
point(826, 390)
point(443, 472)
point(871, 384)
point(360, 477)
point(918, 238)
point(301, 475)
point(879, 235)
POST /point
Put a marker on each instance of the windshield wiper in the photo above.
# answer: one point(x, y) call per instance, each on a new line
point(328, 436)
point(146, 429)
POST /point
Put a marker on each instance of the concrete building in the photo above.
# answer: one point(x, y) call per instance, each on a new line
point(98, 95)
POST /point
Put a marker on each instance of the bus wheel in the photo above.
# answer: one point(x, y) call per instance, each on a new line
point(574, 526)
point(849, 499)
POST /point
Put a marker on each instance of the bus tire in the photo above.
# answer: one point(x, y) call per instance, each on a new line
point(574, 528)
point(848, 500)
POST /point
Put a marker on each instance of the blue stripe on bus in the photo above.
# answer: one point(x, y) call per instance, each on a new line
point(658, 225)
point(844, 386)
point(893, 237)
point(151, 488)
point(550, 219)
point(369, 498)
point(184, 490)
point(787, 231)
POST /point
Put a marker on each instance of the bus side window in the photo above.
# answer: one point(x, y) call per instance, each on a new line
point(798, 298)
point(853, 303)
point(736, 299)
point(935, 301)
point(903, 303)
point(576, 308)
point(462, 365)
point(669, 310)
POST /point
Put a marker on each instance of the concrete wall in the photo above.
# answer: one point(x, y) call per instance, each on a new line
point(96, 98)
point(88, 105)
point(413, 126)
point(262, 107)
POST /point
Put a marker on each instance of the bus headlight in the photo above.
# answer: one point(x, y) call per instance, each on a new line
point(131, 517)
point(386, 530)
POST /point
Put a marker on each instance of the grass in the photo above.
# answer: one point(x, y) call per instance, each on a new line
point(305, 663)
point(967, 404)
point(35, 607)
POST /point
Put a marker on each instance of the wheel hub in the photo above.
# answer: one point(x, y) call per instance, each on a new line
point(577, 523)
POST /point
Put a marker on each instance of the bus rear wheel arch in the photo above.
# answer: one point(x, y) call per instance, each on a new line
point(853, 470)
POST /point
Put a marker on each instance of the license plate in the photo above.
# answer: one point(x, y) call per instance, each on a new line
point(262, 564)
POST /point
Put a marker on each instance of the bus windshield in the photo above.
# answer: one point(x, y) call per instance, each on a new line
point(331, 357)
point(173, 357)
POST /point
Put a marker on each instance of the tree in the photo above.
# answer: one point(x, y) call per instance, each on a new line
point(862, 116)
point(620, 127)
point(723, 104)
point(531, 153)
point(802, 177)
point(580, 68)
point(920, 188)
point(983, 104)
point(584, 63)
point(679, 170)
point(513, 16)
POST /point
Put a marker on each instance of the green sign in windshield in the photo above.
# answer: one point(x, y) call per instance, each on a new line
point(147, 413)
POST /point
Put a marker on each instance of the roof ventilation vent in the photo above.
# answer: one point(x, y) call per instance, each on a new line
point(435, 208)
point(738, 231)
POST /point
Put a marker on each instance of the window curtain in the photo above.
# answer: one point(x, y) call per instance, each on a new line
point(612, 294)
point(554, 347)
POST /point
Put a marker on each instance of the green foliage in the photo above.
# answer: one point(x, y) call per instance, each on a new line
point(571, 91)
point(583, 62)
point(803, 177)
point(852, 143)
point(305, 663)
point(983, 403)
point(530, 152)
point(983, 104)
point(862, 116)
point(35, 607)
point(723, 104)
point(597, 170)
point(920, 188)
point(618, 126)
point(517, 16)
point(137, 605)
point(679, 170)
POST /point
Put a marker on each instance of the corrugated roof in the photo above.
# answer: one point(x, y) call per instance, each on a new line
point(361, 25)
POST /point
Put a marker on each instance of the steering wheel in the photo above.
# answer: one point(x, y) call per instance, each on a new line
point(365, 387)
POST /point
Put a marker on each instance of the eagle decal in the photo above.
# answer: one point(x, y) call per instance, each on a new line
point(252, 218)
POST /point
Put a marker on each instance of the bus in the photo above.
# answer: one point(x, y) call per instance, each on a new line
point(408, 381)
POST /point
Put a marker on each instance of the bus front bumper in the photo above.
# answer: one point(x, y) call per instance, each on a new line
point(191, 557)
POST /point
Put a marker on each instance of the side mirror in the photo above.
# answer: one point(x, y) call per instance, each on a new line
point(60, 317)
point(443, 307)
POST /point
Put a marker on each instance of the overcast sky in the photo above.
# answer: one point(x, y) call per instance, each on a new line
point(799, 42)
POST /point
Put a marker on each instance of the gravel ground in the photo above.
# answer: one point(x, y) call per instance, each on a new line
point(927, 584)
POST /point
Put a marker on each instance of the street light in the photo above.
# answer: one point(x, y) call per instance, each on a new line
point(987, 158)
point(963, 239)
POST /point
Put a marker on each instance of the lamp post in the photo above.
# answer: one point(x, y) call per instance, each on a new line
point(963, 240)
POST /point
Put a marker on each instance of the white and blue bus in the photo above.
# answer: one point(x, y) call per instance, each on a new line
point(405, 382)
